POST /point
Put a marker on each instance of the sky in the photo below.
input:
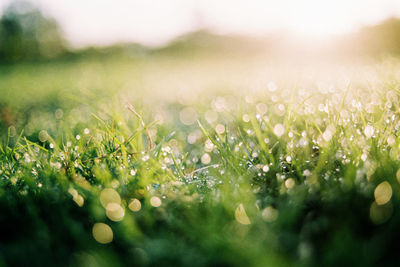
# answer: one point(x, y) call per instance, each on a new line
point(155, 22)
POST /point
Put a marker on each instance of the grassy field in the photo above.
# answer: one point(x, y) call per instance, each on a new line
point(195, 160)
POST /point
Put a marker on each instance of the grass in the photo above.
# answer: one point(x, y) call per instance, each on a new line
point(168, 160)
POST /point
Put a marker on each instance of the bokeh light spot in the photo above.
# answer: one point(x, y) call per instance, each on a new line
point(383, 193)
point(188, 116)
point(205, 159)
point(135, 205)
point(109, 195)
point(289, 183)
point(102, 233)
point(241, 216)
point(115, 212)
point(269, 214)
point(279, 130)
point(380, 213)
point(155, 202)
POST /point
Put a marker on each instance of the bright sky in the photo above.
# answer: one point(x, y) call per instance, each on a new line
point(154, 22)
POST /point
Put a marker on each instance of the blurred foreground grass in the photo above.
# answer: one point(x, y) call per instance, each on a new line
point(220, 160)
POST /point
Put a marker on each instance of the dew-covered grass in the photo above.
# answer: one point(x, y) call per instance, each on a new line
point(195, 162)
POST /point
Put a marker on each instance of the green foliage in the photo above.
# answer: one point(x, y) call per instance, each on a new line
point(27, 35)
point(291, 172)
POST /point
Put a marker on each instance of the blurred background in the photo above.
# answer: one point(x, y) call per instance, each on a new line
point(48, 29)
point(66, 54)
point(163, 53)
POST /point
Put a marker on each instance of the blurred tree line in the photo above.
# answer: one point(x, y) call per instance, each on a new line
point(26, 34)
point(381, 39)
